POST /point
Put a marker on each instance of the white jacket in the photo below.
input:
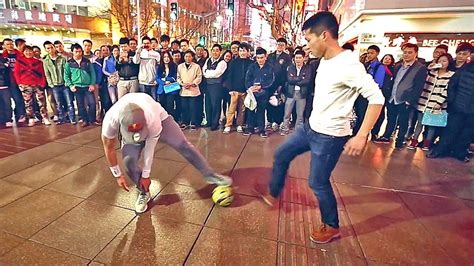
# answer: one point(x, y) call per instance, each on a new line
point(149, 61)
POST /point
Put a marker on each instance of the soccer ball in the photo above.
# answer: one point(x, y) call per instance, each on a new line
point(222, 196)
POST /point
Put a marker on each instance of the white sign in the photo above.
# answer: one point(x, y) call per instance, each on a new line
point(68, 19)
point(15, 15)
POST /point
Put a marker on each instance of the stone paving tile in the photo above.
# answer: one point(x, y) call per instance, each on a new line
point(9, 242)
point(150, 240)
point(85, 230)
point(31, 213)
point(218, 247)
point(32, 253)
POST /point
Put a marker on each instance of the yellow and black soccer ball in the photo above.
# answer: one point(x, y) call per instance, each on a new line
point(222, 195)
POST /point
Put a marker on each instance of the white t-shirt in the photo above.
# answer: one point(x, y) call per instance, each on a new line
point(339, 81)
point(154, 115)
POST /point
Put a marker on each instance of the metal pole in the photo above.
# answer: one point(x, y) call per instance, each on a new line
point(139, 41)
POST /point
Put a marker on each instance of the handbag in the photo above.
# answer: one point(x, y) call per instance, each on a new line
point(435, 119)
point(171, 87)
point(113, 79)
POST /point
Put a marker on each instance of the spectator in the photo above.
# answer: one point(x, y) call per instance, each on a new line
point(133, 46)
point(463, 52)
point(149, 60)
point(111, 73)
point(12, 55)
point(234, 48)
point(60, 48)
point(167, 74)
point(127, 70)
point(5, 102)
point(189, 77)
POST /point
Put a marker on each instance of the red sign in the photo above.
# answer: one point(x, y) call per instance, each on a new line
point(35, 17)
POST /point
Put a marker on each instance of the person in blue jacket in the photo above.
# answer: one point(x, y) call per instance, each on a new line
point(166, 74)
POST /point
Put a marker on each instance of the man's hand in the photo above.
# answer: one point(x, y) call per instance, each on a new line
point(355, 145)
point(73, 88)
point(91, 88)
point(122, 183)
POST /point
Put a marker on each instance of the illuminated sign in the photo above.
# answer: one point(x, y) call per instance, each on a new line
point(428, 39)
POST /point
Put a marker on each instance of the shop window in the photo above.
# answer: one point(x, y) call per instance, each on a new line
point(72, 10)
point(36, 6)
point(22, 5)
point(59, 8)
point(3, 5)
point(82, 11)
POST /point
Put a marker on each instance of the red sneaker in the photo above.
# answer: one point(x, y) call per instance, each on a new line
point(413, 145)
point(324, 234)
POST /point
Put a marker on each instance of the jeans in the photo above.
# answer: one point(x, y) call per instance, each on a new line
point(64, 96)
point(300, 105)
point(256, 118)
point(190, 108)
point(214, 96)
point(86, 104)
point(325, 152)
point(5, 106)
point(430, 131)
point(174, 137)
point(18, 99)
point(105, 101)
point(397, 114)
point(149, 89)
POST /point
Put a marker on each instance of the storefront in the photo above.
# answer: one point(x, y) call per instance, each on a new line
point(37, 27)
point(368, 24)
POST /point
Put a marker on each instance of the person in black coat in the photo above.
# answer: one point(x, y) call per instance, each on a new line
point(5, 102)
point(298, 81)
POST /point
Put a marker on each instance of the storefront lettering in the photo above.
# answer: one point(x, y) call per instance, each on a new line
point(14, 15)
point(68, 19)
point(42, 16)
point(448, 42)
point(28, 15)
point(56, 17)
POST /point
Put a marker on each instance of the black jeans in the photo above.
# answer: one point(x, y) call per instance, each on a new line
point(168, 102)
point(18, 99)
point(104, 96)
point(214, 97)
point(378, 124)
point(189, 110)
point(85, 104)
point(257, 116)
point(5, 106)
point(457, 135)
point(397, 114)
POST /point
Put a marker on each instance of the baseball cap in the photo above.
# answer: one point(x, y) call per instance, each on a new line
point(133, 126)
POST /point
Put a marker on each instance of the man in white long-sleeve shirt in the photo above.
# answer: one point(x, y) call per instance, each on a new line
point(141, 121)
point(340, 80)
point(213, 70)
point(149, 60)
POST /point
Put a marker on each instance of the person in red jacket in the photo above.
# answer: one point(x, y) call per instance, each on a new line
point(29, 74)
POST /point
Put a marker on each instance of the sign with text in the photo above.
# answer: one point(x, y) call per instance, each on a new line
point(37, 18)
point(428, 39)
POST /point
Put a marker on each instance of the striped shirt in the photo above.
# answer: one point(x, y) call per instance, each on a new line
point(435, 92)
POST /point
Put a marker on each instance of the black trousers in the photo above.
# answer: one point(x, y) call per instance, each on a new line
point(189, 110)
point(397, 114)
point(360, 107)
point(214, 98)
point(256, 118)
point(457, 135)
point(378, 124)
point(168, 101)
point(5, 106)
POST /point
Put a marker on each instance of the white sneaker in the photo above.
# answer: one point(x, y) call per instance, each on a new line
point(22, 119)
point(55, 118)
point(142, 202)
point(240, 129)
point(46, 122)
point(220, 180)
point(36, 120)
point(31, 122)
point(275, 127)
point(204, 122)
point(9, 124)
point(226, 130)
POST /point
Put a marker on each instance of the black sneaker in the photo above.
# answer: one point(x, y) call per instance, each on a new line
point(247, 132)
point(382, 140)
point(192, 127)
point(183, 126)
point(263, 134)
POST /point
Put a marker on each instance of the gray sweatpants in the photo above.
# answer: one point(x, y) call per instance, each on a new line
point(173, 136)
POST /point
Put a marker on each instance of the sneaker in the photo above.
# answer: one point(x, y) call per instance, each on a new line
point(55, 118)
point(247, 133)
point(262, 192)
point(142, 202)
point(192, 127)
point(85, 124)
point(183, 126)
point(275, 127)
point(324, 234)
point(382, 140)
point(220, 180)
point(413, 145)
point(73, 122)
point(22, 119)
point(226, 130)
point(9, 124)
point(284, 132)
point(97, 123)
point(204, 122)
point(36, 119)
point(268, 127)
point(46, 122)
point(263, 135)
point(240, 129)
point(31, 122)
point(399, 146)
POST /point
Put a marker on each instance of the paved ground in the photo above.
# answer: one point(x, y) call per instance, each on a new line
point(59, 204)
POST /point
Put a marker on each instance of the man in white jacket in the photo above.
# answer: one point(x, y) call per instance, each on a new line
point(149, 60)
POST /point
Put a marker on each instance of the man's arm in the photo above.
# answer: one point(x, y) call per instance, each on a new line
point(111, 156)
point(218, 72)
